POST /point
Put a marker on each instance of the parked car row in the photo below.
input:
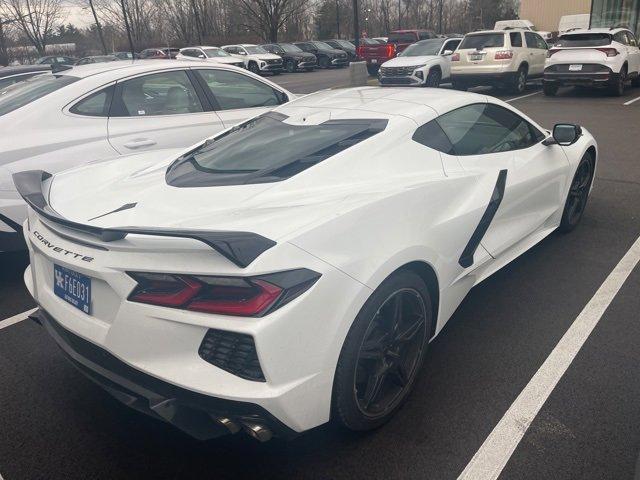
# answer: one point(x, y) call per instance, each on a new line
point(510, 57)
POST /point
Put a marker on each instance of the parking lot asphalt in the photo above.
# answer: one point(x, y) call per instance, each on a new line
point(55, 424)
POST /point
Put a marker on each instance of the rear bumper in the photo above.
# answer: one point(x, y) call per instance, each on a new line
point(579, 78)
point(198, 415)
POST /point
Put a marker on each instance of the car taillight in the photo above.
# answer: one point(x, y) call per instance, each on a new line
point(455, 57)
point(360, 51)
point(241, 296)
point(503, 55)
point(610, 52)
point(391, 50)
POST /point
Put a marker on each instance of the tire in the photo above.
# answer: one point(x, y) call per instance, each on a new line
point(433, 78)
point(549, 90)
point(373, 70)
point(323, 62)
point(290, 66)
point(578, 195)
point(458, 85)
point(617, 88)
point(519, 82)
point(253, 68)
point(371, 383)
point(636, 81)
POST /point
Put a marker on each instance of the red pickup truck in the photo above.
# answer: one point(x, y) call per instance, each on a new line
point(398, 40)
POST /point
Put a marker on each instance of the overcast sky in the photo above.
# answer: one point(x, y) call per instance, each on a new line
point(76, 15)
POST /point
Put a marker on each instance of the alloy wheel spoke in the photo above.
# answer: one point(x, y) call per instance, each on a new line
point(408, 333)
point(374, 386)
point(399, 375)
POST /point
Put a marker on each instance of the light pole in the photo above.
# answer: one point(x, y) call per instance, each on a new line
point(338, 18)
point(356, 25)
point(126, 25)
point(98, 27)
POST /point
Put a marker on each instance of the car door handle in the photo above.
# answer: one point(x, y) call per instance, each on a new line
point(140, 143)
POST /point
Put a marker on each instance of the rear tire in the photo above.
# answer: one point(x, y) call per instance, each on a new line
point(380, 358)
point(519, 82)
point(578, 195)
point(617, 88)
point(290, 66)
point(549, 90)
point(636, 81)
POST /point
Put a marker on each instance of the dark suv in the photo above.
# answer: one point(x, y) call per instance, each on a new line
point(326, 55)
point(345, 45)
point(293, 58)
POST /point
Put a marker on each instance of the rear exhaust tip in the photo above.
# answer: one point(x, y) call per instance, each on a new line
point(229, 424)
point(257, 431)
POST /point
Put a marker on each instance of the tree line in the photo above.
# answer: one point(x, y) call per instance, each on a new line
point(155, 23)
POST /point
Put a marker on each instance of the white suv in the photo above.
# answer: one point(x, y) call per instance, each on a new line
point(498, 57)
point(596, 57)
point(209, 54)
point(256, 58)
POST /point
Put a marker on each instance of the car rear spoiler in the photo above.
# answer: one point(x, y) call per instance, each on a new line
point(241, 248)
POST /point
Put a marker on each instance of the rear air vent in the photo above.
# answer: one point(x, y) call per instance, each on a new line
point(232, 352)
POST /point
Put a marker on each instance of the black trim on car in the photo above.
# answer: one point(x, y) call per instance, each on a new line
point(466, 259)
point(241, 248)
point(193, 413)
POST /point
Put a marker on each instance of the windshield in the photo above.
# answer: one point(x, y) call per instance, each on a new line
point(425, 47)
point(584, 40)
point(215, 52)
point(253, 152)
point(23, 93)
point(483, 40)
point(287, 47)
point(255, 50)
point(346, 43)
point(322, 46)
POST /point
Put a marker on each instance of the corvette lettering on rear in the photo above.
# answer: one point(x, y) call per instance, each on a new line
point(64, 251)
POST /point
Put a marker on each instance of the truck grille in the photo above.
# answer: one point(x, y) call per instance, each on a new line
point(397, 71)
point(232, 352)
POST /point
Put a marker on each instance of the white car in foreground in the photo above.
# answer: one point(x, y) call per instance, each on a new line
point(256, 59)
point(423, 64)
point(600, 57)
point(209, 54)
point(96, 112)
point(296, 266)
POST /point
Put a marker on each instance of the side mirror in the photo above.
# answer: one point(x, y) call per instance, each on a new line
point(564, 134)
point(447, 52)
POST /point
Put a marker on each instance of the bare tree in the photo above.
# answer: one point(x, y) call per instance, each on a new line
point(37, 19)
point(268, 17)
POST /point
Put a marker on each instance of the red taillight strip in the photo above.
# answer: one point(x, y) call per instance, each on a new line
point(255, 305)
point(170, 299)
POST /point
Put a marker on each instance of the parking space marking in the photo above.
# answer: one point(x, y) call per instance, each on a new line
point(631, 101)
point(523, 96)
point(497, 449)
point(15, 319)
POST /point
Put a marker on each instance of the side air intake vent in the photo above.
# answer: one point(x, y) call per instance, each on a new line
point(233, 352)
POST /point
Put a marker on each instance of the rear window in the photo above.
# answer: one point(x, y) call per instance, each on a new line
point(482, 40)
point(584, 40)
point(23, 93)
point(408, 37)
point(266, 149)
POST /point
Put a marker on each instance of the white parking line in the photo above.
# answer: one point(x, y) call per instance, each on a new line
point(15, 319)
point(631, 101)
point(523, 96)
point(493, 455)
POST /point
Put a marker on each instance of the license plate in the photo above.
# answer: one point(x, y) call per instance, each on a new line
point(475, 58)
point(73, 288)
point(575, 68)
point(374, 60)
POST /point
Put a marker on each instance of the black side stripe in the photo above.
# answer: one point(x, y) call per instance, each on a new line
point(466, 259)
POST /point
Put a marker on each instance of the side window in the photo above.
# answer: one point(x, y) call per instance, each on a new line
point(632, 40)
point(532, 41)
point(516, 39)
point(167, 93)
point(431, 135)
point(95, 105)
point(542, 44)
point(486, 128)
point(620, 37)
point(234, 90)
point(423, 35)
point(451, 45)
point(269, 48)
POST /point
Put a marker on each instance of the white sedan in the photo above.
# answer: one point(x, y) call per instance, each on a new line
point(296, 266)
point(96, 112)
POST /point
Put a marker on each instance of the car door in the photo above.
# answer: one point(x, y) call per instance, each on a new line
point(160, 110)
point(503, 148)
point(537, 52)
point(237, 97)
point(449, 45)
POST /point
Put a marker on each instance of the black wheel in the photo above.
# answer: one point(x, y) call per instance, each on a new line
point(519, 82)
point(636, 81)
point(578, 195)
point(458, 85)
point(549, 89)
point(617, 87)
point(373, 70)
point(383, 352)
point(323, 62)
point(433, 79)
point(253, 68)
point(290, 66)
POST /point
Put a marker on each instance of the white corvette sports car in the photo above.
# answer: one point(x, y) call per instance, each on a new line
point(294, 267)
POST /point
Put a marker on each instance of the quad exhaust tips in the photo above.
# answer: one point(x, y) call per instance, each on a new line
point(253, 429)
